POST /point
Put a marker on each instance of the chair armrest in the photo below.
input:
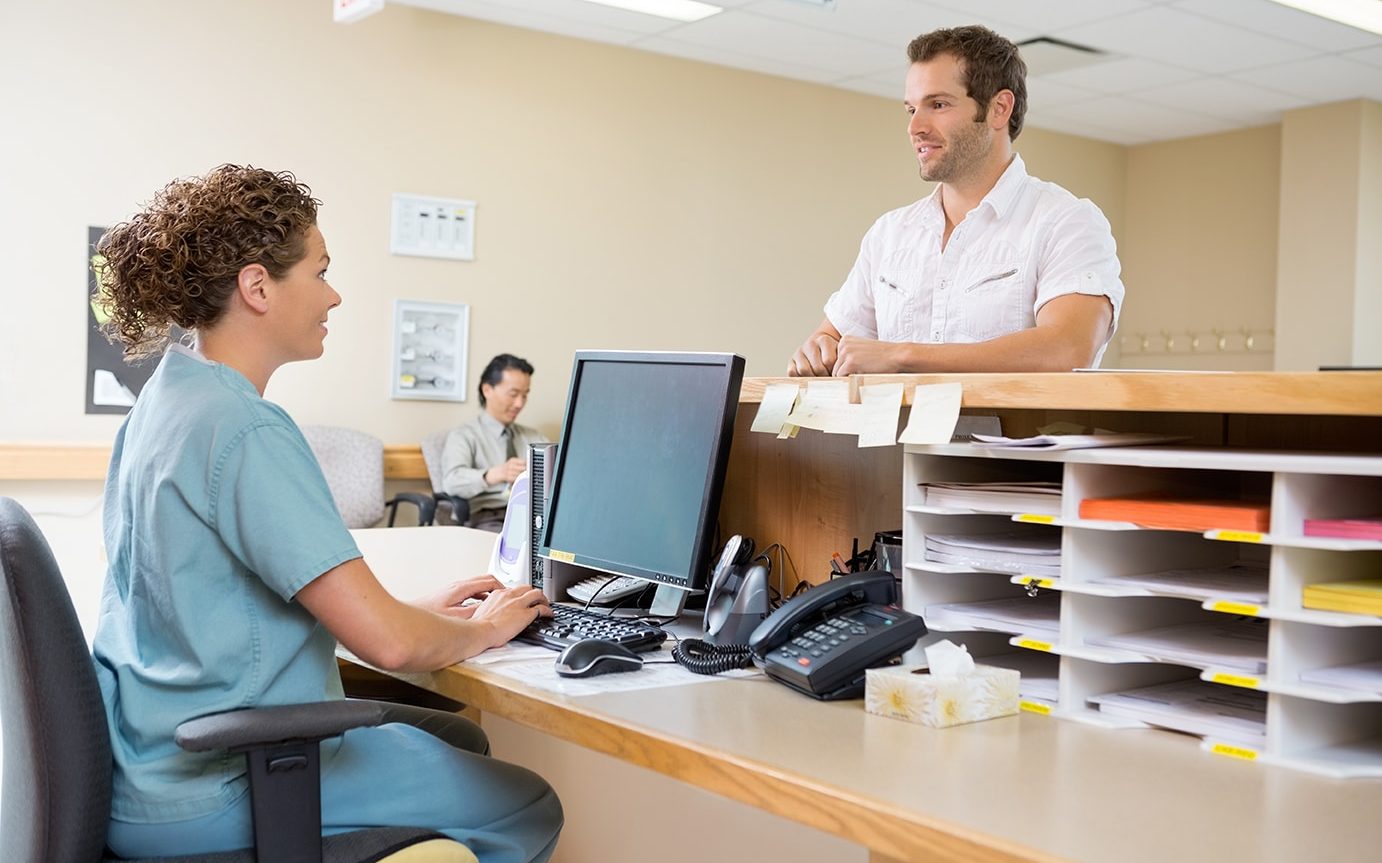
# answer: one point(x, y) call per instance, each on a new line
point(265, 726)
point(460, 507)
point(426, 506)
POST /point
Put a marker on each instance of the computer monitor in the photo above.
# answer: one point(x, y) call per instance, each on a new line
point(641, 465)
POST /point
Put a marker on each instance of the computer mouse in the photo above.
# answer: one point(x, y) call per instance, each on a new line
point(591, 656)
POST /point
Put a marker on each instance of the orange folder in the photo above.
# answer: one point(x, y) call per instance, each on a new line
point(1179, 513)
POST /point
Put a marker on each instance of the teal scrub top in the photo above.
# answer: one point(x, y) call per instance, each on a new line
point(216, 515)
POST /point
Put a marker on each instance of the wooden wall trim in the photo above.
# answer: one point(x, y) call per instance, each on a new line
point(29, 461)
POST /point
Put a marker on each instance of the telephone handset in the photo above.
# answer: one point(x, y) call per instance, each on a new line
point(821, 641)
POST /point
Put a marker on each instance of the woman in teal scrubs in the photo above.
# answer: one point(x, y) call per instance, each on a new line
point(231, 575)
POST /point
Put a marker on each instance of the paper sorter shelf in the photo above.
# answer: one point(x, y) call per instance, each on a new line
point(1195, 707)
point(1239, 644)
point(1038, 615)
point(1241, 582)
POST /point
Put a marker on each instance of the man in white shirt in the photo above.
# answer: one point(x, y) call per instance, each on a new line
point(993, 271)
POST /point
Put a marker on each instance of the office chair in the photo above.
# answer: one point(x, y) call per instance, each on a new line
point(353, 463)
point(55, 806)
point(446, 508)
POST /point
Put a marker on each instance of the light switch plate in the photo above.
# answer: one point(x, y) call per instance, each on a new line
point(432, 227)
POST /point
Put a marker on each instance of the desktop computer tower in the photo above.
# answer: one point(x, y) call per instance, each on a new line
point(552, 576)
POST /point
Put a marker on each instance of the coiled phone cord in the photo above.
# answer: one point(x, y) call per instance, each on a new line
point(702, 657)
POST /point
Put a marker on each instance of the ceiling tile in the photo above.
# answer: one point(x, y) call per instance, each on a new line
point(1323, 79)
point(566, 17)
point(1042, 92)
point(1124, 75)
point(873, 87)
point(1283, 22)
point(734, 60)
point(1224, 98)
point(834, 55)
point(1139, 118)
point(889, 22)
point(1042, 17)
point(1083, 130)
point(1181, 39)
point(1371, 56)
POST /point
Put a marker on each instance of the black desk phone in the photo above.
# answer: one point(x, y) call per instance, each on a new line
point(820, 642)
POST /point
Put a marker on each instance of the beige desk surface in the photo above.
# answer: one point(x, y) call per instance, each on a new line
point(1020, 788)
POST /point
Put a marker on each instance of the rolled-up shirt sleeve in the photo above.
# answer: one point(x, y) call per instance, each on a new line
point(460, 475)
point(1079, 256)
point(851, 309)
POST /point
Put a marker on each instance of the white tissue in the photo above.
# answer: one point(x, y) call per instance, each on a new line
point(947, 659)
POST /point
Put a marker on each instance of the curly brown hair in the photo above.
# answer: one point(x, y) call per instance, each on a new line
point(990, 63)
point(177, 261)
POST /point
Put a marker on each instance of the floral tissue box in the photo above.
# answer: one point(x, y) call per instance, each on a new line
point(912, 693)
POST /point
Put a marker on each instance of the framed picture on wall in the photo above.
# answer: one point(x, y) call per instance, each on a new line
point(112, 384)
point(430, 341)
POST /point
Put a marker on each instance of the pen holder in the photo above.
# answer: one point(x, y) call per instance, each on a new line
point(910, 692)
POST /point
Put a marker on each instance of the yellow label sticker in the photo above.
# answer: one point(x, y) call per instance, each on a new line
point(1236, 608)
point(1032, 644)
point(1236, 680)
point(564, 556)
point(1238, 536)
point(1234, 751)
point(1034, 518)
point(1035, 707)
point(1039, 582)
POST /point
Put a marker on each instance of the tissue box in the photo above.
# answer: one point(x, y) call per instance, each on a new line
point(910, 692)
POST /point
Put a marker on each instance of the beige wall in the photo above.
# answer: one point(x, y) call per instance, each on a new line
point(1199, 249)
point(1318, 261)
point(626, 200)
point(1367, 299)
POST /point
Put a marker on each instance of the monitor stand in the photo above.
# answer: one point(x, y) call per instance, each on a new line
point(668, 601)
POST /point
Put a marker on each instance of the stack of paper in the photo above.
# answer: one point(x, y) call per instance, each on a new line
point(1039, 672)
point(1034, 551)
point(1237, 643)
point(1179, 514)
point(1074, 441)
point(1363, 596)
point(1195, 707)
point(1244, 581)
point(1361, 676)
point(1023, 614)
point(1345, 528)
point(1005, 497)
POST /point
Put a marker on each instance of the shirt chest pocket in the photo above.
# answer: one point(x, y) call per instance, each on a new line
point(898, 300)
point(995, 299)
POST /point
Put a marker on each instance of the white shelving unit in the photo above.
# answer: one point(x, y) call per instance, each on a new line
point(1322, 729)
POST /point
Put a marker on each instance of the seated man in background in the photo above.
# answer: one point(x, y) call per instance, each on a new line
point(483, 457)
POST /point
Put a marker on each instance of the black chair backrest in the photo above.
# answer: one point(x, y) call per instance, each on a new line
point(55, 804)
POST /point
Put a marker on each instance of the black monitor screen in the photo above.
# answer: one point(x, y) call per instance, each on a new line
point(641, 464)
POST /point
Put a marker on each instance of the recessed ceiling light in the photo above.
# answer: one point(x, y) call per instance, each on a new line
point(677, 10)
point(1363, 14)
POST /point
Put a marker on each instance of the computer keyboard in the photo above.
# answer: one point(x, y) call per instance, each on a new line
point(570, 625)
point(606, 589)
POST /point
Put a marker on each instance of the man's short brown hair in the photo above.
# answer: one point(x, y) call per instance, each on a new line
point(989, 63)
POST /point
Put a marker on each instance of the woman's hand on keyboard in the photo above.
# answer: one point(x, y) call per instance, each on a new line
point(509, 610)
point(460, 598)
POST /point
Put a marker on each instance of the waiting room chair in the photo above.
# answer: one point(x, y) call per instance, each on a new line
point(55, 805)
point(353, 463)
point(446, 508)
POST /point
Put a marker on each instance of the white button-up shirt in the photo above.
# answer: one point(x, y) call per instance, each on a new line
point(1028, 242)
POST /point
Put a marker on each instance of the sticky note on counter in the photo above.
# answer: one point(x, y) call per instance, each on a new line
point(825, 406)
point(879, 406)
point(778, 401)
point(935, 410)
